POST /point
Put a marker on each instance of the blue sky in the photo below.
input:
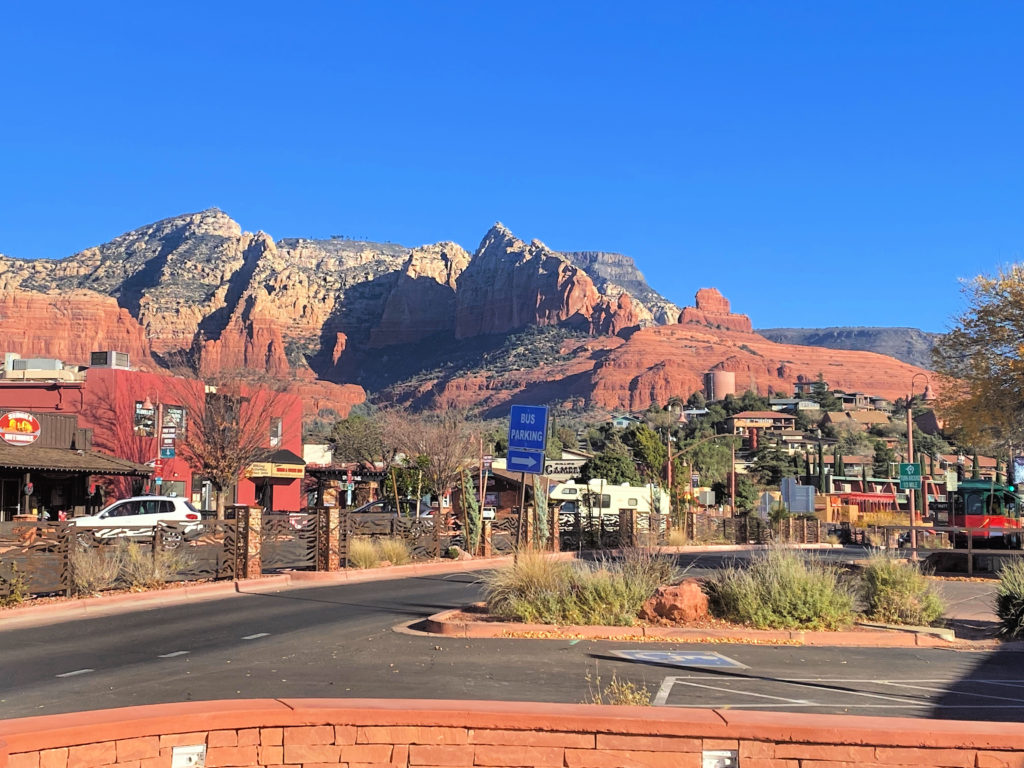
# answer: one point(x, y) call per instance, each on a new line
point(811, 160)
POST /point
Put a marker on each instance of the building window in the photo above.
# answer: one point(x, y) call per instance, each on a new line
point(145, 420)
point(174, 416)
point(275, 431)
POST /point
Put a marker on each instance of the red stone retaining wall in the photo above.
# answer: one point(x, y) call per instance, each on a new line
point(316, 733)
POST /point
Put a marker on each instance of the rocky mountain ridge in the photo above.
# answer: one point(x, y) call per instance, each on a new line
point(910, 345)
point(334, 316)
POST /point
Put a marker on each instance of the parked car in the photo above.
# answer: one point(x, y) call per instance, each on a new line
point(137, 517)
point(387, 507)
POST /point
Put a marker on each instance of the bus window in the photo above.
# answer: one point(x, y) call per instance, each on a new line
point(1012, 509)
point(974, 505)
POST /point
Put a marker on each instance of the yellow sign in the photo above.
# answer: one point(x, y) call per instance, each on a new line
point(269, 469)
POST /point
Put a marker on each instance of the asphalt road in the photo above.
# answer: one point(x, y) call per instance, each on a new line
point(339, 641)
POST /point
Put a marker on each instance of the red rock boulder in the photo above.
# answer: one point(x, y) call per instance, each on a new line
point(679, 603)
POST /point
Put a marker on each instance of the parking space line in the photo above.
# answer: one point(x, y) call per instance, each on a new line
point(256, 636)
point(958, 693)
point(758, 695)
point(76, 672)
point(742, 698)
point(171, 655)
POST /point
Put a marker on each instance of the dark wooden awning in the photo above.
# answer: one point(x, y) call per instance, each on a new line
point(29, 457)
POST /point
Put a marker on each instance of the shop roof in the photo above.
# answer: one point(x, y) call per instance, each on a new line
point(68, 460)
point(284, 456)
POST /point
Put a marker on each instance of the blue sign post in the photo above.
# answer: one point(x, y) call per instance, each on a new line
point(527, 436)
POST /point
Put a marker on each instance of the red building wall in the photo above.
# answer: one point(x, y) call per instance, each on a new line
point(106, 403)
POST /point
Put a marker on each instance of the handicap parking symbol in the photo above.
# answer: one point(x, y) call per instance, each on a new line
point(681, 658)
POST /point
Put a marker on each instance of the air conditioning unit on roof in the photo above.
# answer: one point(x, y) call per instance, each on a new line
point(109, 359)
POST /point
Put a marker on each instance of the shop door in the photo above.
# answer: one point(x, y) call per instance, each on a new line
point(10, 497)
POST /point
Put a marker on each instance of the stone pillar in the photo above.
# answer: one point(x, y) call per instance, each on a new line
point(485, 537)
point(556, 544)
point(328, 523)
point(252, 568)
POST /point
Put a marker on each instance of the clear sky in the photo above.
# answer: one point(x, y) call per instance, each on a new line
point(822, 163)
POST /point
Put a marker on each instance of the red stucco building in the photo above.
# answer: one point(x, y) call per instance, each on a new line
point(142, 417)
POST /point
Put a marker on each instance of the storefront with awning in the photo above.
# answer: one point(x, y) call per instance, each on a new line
point(275, 482)
point(47, 467)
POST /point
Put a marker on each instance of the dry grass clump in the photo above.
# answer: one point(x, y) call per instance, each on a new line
point(394, 550)
point(538, 589)
point(93, 569)
point(369, 552)
point(781, 589)
point(896, 592)
point(362, 553)
point(142, 567)
point(618, 692)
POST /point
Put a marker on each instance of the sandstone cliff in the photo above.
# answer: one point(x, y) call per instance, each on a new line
point(427, 327)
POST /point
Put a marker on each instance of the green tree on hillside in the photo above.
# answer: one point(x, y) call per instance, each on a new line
point(614, 464)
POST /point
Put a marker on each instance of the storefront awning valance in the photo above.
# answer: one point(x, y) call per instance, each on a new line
point(29, 457)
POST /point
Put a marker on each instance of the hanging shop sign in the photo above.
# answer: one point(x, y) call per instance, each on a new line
point(19, 428)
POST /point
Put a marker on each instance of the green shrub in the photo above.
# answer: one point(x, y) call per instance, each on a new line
point(13, 587)
point(394, 550)
point(781, 589)
point(541, 590)
point(896, 592)
point(362, 553)
point(142, 568)
point(1010, 600)
point(94, 568)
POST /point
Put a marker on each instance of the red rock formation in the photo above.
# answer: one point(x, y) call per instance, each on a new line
point(712, 310)
point(69, 326)
point(510, 284)
point(252, 343)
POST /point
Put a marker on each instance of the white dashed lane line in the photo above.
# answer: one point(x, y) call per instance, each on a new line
point(256, 636)
point(76, 672)
point(171, 655)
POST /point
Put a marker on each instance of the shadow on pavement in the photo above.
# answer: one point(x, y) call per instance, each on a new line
point(992, 690)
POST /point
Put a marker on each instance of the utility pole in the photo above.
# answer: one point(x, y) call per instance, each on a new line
point(732, 477)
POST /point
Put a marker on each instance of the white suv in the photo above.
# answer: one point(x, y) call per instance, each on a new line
point(137, 517)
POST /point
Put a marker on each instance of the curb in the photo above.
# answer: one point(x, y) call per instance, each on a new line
point(901, 637)
point(88, 607)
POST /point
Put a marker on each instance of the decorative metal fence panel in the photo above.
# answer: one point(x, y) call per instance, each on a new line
point(418, 532)
point(42, 556)
point(503, 535)
point(651, 529)
point(288, 540)
point(588, 530)
point(33, 556)
point(209, 550)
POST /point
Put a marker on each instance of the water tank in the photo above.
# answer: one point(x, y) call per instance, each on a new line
point(718, 384)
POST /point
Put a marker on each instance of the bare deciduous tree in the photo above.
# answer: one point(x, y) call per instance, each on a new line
point(228, 428)
point(447, 441)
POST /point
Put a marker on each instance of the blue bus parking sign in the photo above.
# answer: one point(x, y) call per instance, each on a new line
point(527, 427)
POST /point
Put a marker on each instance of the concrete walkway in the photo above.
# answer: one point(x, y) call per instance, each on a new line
point(972, 601)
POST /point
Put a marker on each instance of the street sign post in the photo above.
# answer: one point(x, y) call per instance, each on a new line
point(910, 476)
point(527, 437)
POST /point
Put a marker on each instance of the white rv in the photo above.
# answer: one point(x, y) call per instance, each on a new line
point(605, 498)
